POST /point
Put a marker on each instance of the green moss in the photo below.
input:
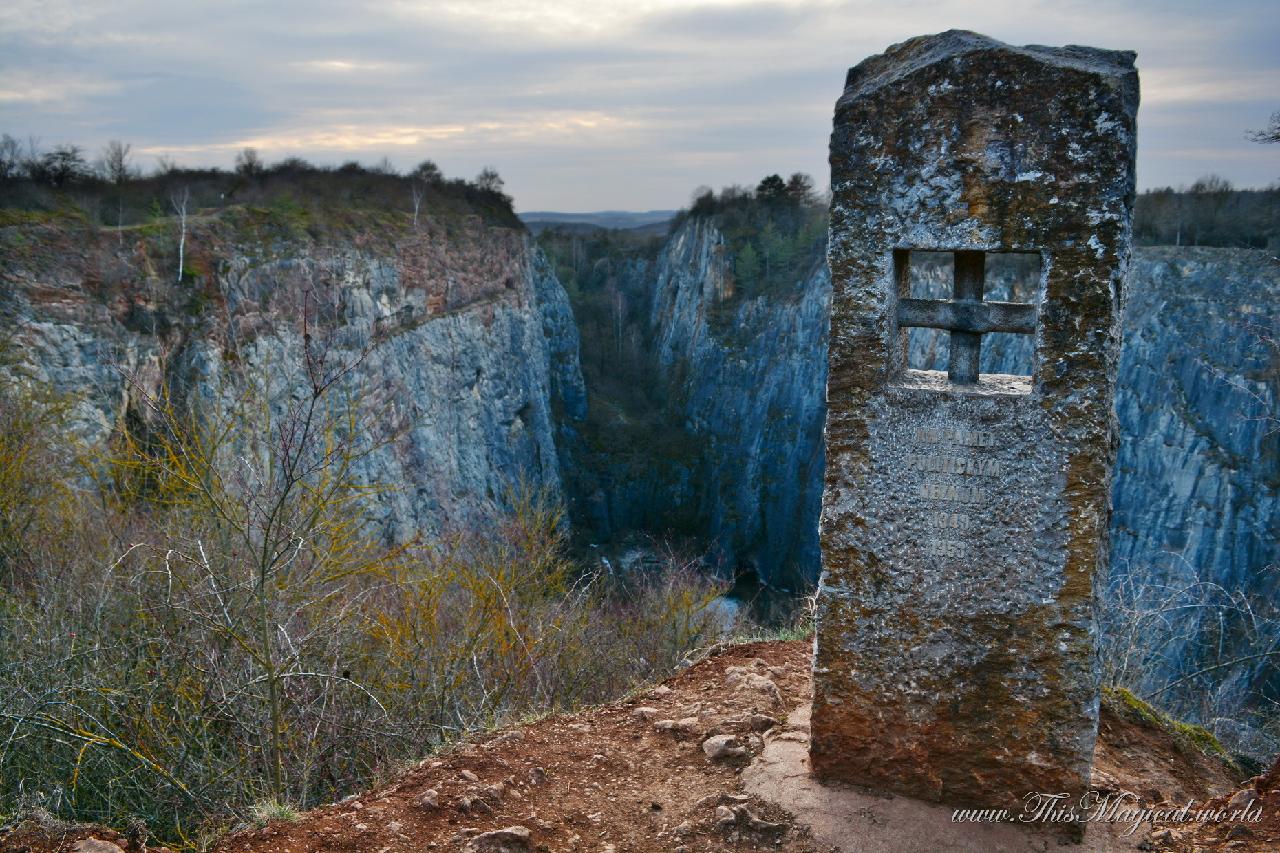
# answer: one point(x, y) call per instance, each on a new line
point(1201, 738)
point(1131, 707)
point(1189, 736)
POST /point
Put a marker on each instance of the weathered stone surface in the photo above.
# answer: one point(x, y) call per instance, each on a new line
point(963, 524)
point(475, 356)
point(513, 839)
point(1196, 491)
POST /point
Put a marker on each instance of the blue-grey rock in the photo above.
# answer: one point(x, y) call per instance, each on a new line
point(748, 376)
point(464, 343)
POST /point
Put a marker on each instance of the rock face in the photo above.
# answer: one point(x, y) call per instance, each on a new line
point(1197, 489)
point(736, 455)
point(965, 516)
point(748, 384)
point(461, 336)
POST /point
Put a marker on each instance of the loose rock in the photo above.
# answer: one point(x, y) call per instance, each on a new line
point(513, 839)
point(723, 748)
point(96, 845)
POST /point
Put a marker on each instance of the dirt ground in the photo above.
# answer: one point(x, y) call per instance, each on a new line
point(662, 772)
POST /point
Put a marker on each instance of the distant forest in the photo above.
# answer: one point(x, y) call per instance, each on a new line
point(1208, 213)
point(766, 227)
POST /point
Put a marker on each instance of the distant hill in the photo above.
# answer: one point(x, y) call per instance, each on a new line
point(540, 220)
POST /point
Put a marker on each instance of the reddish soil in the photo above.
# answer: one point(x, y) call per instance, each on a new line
point(633, 777)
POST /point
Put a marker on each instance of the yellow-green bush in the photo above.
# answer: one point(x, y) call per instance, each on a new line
point(204, 623)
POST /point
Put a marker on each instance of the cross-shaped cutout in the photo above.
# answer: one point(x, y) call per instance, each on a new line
point(966, 316)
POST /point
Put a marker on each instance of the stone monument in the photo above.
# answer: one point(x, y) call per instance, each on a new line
point(964, 516)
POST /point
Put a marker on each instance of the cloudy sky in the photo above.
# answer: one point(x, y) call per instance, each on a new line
point(584, 105)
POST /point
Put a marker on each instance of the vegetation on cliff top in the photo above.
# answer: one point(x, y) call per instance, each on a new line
point(62, 185)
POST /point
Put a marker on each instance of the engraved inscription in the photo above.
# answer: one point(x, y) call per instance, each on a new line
point(953, 493)
point(948, 548)
point(954, 465)
point(948, 521)
point(955, 435)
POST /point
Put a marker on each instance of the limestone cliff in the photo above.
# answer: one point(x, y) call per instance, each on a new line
point(457, 332)
point(722, 440)
point(748, 376)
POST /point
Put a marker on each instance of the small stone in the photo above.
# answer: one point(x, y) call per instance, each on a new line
point(725, 816)
point(645, 713)
point(430, 799)
point(755, 823)
point(395, 826)
point(1239, 830)
point(96, 845)
point(474, 805)
point(513, 736)
point(685, 726)
point(682, 830)
point(1242, 799)
point(660, 690)
point(537, 776)
point(744, 680)
point(761, 722)
point(469, 776)
point(513, 839)
point(723, 748)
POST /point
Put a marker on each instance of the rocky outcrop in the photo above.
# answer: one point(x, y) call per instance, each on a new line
point(460, 337)
point(1198, 477)
point(1196, 496)
point(747, 376)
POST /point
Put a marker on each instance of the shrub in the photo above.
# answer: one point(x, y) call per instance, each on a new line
point(232, 637)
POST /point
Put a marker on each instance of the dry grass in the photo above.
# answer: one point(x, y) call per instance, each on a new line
point(197, 623)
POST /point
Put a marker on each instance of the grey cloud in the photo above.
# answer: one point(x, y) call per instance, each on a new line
point(632, 112)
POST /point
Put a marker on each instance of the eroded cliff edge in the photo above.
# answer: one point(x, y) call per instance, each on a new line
point(456, 331)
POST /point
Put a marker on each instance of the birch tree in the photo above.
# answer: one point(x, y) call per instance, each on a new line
point(418, 192)
point(179, 201)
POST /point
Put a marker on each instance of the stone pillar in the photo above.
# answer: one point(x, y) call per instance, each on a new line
point(964, 516)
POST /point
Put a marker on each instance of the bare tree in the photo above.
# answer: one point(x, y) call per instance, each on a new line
point(114, 165)
point(10, 157)
point(114, 162)
point(427, 172)
point(64, 165)
point(248, 163)
point(179, 201)
point(489, 180)
point(418, 192)
point(1269, 134)
point(31, 160)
